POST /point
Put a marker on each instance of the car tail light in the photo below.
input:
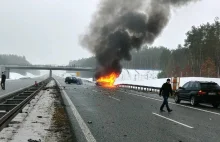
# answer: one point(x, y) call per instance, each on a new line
point(202, 93)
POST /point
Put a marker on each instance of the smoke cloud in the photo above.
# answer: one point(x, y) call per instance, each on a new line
point(120, 26)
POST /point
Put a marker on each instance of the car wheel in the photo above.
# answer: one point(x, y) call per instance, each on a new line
point(193, 101)
point(215, 105)
point(177, 99)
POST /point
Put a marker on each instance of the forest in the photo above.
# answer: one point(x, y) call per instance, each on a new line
point(16, 60)
point(199, 55)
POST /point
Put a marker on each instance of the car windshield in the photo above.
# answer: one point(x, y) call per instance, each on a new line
point(207, 86)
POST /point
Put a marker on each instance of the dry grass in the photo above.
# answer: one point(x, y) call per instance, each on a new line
point(60, 126)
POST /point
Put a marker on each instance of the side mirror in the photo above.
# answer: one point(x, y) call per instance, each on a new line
point(182, 88)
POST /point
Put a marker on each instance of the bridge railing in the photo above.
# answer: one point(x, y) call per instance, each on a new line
point(140, 87)
point(68, 66)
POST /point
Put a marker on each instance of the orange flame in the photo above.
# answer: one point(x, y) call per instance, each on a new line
point(108, 81)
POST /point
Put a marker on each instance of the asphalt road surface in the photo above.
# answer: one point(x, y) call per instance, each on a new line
point(118, 115)
point(13, 85)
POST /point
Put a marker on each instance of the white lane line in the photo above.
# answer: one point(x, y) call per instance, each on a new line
point(87, 133)
point(174, 103)
point(114, 98)
point(95, 91)
point(173, 120)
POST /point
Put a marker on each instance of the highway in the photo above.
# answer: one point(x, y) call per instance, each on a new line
point(118, 115)
point(13, 85)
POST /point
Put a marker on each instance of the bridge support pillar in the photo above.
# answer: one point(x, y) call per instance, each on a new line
point(50, 73)
point(7, 73)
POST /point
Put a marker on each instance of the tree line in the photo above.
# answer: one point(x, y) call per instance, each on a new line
point(199, 55)
point(16, 60)
point(145, 58)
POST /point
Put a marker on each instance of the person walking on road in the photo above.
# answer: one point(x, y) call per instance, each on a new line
point(165, 91)
point(3, 81)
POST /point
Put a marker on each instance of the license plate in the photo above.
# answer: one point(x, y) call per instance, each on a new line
point(212, 93)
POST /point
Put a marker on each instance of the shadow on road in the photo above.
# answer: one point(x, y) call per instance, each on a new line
point(202, 106)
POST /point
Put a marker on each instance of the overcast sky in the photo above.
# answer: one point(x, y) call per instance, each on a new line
point(47, 31)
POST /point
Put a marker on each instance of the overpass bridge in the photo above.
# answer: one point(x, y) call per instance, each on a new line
point(50, 68)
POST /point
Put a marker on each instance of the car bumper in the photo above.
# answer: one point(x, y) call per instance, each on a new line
point(208, 99)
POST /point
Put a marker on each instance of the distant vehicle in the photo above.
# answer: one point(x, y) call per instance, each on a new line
point(199, 92)
point(74, 80)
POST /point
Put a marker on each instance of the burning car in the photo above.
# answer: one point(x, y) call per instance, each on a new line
point(107, 81)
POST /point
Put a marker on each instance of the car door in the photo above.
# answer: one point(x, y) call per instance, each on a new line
point(182, 92)
point(191, 88)
point(194, 89)
point(74, 80)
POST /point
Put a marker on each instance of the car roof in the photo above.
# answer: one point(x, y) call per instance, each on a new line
point(203, 81)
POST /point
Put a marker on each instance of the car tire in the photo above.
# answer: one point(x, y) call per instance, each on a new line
point(215, 105)
point(177, 99)
point(193, 101)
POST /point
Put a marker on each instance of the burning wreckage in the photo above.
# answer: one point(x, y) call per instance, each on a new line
point(107, 81)
point(120, 26)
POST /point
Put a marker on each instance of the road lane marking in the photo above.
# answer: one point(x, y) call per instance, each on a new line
point(114, 98)
point(95, 91)
point(87, 133)
point(173, 103)
point(173, 120)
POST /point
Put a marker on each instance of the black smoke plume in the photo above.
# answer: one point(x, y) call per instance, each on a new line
point(122, 25)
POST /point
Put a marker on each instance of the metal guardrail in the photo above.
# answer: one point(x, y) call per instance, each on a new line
point(14, 105)
point(140, 87)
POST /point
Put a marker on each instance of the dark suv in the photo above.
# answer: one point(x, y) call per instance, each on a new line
point(74, 80)
point(199, 92)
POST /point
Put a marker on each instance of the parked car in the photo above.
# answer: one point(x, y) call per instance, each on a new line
point(199, 92)
point(74, 80)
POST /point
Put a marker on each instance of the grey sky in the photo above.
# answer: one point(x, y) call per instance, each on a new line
point(47, 31)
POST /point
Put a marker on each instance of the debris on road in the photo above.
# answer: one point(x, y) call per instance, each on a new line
point(89, 122)
point(30, 140)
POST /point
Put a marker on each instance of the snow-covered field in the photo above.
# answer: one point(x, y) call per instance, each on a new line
point(145, 77)
point(149, 78)
point(63, 74)
point(14, 76)
point(137, 75)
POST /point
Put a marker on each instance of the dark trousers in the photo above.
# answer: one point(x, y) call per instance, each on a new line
point(165, 102)
point(3, 85)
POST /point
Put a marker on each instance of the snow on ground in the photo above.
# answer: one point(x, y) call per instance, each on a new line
point(14, 76)
point(146, 78)
point(7, 133)
point(137, 75)
point(126, 75)
point(39, 119)
point(149, 78)
point(34, 123)
point(159, 82)
point(63, 74)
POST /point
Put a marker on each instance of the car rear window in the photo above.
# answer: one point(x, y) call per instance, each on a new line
point(208, 86)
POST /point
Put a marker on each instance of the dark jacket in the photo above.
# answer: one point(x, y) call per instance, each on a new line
point(166, 89)
point(3, 78)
